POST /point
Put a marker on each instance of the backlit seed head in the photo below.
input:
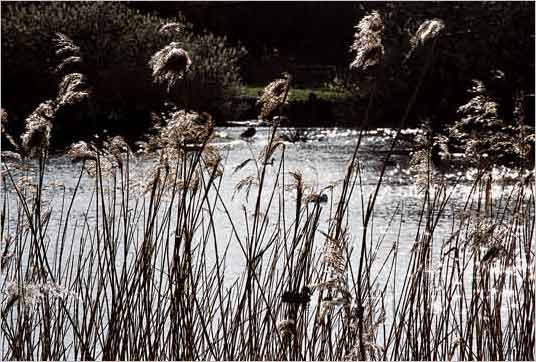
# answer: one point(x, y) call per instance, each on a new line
point(170, 64)
point(368, 46)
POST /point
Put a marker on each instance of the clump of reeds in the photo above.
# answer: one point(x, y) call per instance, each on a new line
point(151, 276)
point(487, 138)
point(72, 90)
point(102, 157)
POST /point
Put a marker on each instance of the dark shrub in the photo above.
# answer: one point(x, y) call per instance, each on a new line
point(479, 38)
point(117, 43)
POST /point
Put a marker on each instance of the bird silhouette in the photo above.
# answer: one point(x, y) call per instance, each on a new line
point(248, 133)
point(293, 297)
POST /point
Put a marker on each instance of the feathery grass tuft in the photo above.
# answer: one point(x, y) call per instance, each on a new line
point(368, 46)
point(170, 64)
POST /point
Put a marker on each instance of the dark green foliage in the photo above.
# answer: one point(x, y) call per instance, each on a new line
point(116, 42)
point(214, 76)
point(479, 37)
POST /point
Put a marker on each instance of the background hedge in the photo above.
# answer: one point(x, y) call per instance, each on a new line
point(117, 42)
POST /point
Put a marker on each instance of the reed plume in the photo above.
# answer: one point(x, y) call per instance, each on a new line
point(367, 43)
point(170, 65)
point(73, 89)
point(171, 28)
point(274, 95)
point(38, 128)
point(428, 30)
point(185, 129)
point(67, 51)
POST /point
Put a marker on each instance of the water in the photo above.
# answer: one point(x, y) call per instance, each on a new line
point(322, 159)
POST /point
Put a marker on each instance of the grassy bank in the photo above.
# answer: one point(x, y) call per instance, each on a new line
point(301, 94)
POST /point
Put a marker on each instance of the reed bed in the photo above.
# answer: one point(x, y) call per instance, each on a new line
point(144, 273)
point(144, 277)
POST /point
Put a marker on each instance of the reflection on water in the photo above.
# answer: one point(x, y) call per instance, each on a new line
point(322, 159)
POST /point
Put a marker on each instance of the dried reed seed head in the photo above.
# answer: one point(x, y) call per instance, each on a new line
point(268, 151)
point(333, 283)
point(73, 88)
point(73, 82)
point(171, 28)
point(62, 42)
point(367, 43)
point(30, 294)
point(81, 151)
point(246, 182)
point(68, 51)
point(170, 64)
point(72, 98)
point(242, 164)
point(117, 146)
point(36, 137)
point(273, 96)
point(4, 116)
point(109, 154)
point(428, 30)
point(486, 232)
point(67, 62)
point(186, 128)
point(10, 156)
point(334, 256)
point(212, 159)
point(297, 175)
point(153, 180)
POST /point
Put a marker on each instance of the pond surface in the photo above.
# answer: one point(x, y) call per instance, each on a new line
point(322, 159)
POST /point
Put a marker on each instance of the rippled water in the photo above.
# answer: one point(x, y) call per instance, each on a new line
point(322, 159)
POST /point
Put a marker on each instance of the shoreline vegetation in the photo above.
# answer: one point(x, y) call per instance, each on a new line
point(143, 273)
point(117, 39)
point(145, 278)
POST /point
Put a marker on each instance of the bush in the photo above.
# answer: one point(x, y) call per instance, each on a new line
point(478, 38)
point(116, 43)
point(213, 80)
